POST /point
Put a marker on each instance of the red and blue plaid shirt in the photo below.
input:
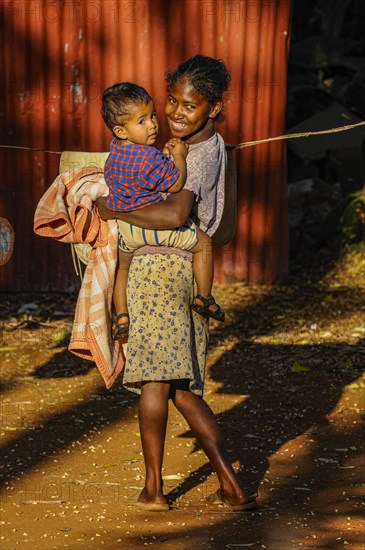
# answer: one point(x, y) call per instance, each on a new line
point(135, 175)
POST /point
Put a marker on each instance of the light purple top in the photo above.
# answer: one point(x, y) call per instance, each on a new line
point(206, 169)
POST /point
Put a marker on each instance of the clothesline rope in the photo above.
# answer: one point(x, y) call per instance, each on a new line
point(299, 135)
point(239, 145)
point(30, 149)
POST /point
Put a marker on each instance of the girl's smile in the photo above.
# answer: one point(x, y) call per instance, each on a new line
point(189, 114)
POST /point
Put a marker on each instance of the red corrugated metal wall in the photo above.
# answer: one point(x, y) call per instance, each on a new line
point(57, 57)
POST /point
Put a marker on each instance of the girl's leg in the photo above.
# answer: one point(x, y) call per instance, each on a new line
point(204, 425)
point(152, 413)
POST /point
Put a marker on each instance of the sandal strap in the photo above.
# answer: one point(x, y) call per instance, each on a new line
point(206, 301)
point(116, 319)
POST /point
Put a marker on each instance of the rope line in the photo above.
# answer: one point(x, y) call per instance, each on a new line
point(239, 145)
point(299, 135)
point(30, 149)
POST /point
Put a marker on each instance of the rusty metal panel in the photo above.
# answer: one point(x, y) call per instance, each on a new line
point(57, 57)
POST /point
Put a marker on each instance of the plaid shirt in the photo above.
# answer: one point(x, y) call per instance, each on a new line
point(135, 175)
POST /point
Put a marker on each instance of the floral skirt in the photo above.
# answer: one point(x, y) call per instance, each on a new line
point(167, 340)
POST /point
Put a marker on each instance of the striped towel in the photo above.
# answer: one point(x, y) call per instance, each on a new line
point(66, 213)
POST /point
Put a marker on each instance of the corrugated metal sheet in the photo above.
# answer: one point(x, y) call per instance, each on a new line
point(57, 58)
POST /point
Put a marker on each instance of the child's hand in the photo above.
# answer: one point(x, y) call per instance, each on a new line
point(177, 147)
point(166, 151)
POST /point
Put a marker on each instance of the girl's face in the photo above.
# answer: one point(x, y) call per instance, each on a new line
point(189, 114)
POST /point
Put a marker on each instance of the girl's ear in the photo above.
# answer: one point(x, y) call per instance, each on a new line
point(216, 109)
point(120, 132)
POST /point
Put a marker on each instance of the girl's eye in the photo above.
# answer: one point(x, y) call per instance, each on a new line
point(172, 100)
point(190, 107)
point(141, 121)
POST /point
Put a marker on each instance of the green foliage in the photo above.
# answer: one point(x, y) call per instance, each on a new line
point(353, 219)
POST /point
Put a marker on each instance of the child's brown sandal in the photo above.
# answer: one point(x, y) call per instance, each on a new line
point(204, 310)
point(120, 330)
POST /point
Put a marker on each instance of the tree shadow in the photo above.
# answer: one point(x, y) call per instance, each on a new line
point(63, 364)
point(25, 316)
point(30, 309)
point(280, 404)
point(43, 429)
point(287, 389)
point(54, 432)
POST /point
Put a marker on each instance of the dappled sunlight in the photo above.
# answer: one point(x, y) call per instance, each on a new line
point(352, 400)
point(348, 270)
point(288, 399)
point(55, 409)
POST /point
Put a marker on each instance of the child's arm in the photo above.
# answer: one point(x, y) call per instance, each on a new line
point(179, 150)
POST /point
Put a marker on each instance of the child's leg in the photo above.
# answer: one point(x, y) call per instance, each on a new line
point(120, 293)
point(203, 264)
point(203, 267)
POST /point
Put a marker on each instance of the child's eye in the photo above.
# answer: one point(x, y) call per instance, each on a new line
point(190, 107)
point(141, 121)
point(172, 100)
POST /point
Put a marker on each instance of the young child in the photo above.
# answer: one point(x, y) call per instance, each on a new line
point(136, 174)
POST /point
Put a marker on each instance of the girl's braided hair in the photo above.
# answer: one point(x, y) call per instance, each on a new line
point(208, 75)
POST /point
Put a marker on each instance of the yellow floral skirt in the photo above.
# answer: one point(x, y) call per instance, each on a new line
point(167, 340)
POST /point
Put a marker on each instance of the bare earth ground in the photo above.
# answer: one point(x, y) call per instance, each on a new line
point(284, 378)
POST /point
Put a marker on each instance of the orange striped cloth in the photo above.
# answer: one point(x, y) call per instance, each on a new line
point(66, 213)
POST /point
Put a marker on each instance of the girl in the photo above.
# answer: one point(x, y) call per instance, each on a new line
point(167, 343)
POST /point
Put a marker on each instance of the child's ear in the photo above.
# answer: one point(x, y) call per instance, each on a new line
point(120, 132)
point(216, 109)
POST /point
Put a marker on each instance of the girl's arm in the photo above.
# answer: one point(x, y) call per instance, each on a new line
point(166, 214)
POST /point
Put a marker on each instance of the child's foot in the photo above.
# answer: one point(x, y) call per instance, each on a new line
point(208, 307)
point(120, 326)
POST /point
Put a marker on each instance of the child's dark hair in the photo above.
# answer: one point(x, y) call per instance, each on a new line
point(118, 99)
point(208, 75)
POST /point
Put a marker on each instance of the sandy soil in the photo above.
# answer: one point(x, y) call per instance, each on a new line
point(284, 379)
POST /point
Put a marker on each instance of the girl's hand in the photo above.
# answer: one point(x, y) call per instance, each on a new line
point(104, 212)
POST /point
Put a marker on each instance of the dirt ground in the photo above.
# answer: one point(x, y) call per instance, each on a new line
point(284, 379)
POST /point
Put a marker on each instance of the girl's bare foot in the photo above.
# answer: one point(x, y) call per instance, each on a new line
point(152, 503)
point(237, 502)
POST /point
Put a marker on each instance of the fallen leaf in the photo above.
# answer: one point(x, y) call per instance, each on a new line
point(27, 307)
point(297, 367)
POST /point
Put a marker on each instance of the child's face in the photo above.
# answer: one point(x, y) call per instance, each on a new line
point(188, 112)
point(140, 126)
